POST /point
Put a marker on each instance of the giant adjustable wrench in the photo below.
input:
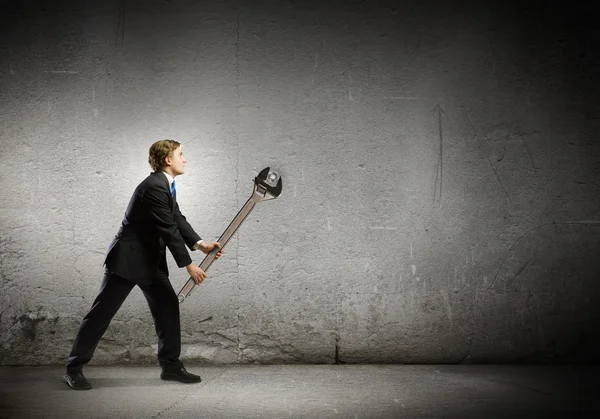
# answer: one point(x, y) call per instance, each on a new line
point(267, 185)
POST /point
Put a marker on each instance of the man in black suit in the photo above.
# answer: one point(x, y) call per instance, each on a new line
point(137, 256)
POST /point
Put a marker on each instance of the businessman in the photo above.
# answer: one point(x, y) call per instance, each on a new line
point(137, 256)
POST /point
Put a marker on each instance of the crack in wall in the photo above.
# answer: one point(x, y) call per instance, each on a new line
point(237, 176)
point(475, 135)
point(583, 222)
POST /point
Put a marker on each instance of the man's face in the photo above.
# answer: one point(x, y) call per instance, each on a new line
point(176, 162)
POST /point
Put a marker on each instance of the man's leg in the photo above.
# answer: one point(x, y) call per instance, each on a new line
point(113, 292)
point(164, 307)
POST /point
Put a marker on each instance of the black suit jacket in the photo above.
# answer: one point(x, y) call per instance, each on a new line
point(151, 223)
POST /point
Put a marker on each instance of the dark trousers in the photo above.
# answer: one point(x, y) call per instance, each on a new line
point(164, 307)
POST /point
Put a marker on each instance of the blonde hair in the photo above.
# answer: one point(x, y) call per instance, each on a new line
point(159, 151)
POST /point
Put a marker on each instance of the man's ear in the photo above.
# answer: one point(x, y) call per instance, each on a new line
point(168, 161)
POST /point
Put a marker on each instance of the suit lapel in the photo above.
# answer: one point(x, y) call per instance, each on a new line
point(166, 183)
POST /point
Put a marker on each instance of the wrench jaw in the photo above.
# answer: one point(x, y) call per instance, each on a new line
point(267, 185)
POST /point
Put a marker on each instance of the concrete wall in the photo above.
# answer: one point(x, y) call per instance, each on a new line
point(440, 162)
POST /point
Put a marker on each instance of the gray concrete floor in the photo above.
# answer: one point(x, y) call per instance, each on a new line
point(307, 391)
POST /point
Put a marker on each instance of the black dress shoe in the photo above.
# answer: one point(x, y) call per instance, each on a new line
point(181, 375)
point(77, 381)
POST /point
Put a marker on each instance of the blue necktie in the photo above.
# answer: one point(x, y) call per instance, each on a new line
point(173, 188)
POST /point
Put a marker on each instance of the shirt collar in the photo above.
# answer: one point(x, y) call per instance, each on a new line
point(169, 178)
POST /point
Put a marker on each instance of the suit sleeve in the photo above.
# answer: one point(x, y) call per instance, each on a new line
point(188, 233)
point(156, 202)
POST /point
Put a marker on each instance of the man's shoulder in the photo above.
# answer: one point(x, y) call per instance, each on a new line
point(154, 179)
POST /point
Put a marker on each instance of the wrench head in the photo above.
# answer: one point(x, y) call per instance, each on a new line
point(270, 180)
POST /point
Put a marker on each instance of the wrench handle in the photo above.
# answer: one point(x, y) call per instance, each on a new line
point(223, 240)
